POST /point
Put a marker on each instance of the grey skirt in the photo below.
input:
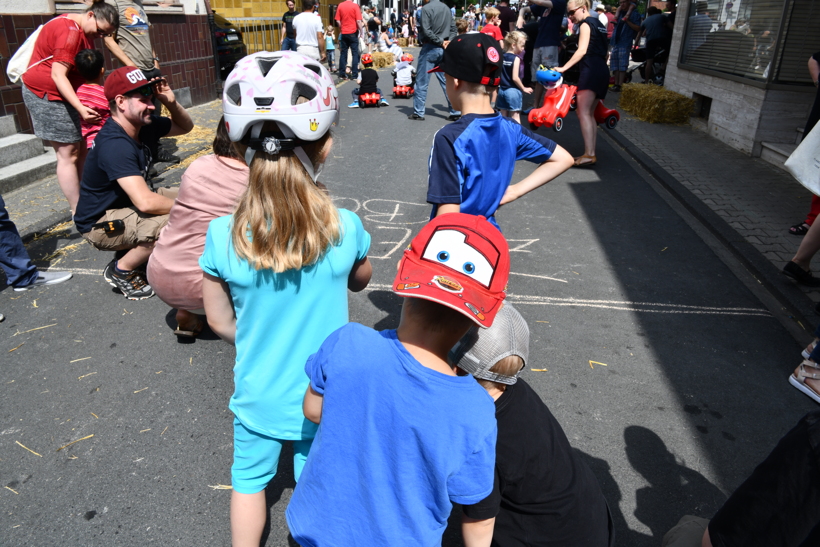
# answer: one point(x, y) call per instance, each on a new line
point(55, 121)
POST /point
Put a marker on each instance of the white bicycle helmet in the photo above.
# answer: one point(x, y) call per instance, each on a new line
point(265, 86)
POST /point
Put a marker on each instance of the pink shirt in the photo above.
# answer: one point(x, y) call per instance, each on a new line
point(93, 96)
point(210, 188)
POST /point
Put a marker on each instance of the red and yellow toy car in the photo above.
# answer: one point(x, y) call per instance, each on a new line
point(403, 91)
point(369, 99)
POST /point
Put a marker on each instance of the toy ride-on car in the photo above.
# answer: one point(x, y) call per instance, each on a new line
point(607, 116)
point(558, 101)
point(403, 91)
point(370, 99)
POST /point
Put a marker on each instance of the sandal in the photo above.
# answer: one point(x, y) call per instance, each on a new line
point(799, 229)
point(585, 161)
point(799, 376)
point(803, 277)
point(810, 348)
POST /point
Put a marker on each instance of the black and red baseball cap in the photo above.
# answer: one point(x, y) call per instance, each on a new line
point(460, 261)
point(472, 58)
point(124, 80)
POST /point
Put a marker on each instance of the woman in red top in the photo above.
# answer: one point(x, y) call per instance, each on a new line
point(50, 88)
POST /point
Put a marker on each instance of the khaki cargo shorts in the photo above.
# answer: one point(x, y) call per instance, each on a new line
point(139, 227)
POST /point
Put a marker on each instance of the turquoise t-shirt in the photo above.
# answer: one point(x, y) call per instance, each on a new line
point(281, 320)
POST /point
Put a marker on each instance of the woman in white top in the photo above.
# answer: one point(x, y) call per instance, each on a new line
point(386, 44)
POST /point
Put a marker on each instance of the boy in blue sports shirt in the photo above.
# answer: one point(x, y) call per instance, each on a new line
point(401, 437)
point(472, 160)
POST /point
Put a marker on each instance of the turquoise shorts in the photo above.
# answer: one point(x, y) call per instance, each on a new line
point(256, 458)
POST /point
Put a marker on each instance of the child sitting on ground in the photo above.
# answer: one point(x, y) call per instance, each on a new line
point(543, 494)
point(510, 93)
point(367, 80)
point(478, 183)
point(89, 63)
point(404, 73)
point(401, 437)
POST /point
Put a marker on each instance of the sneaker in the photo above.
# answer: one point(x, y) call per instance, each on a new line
point(108, 271)
point(133, 285)
point(415, 116)
point(454, 117)
point(46, 278)
point(384, 102)
point(2, 317)
point(615, 89)
point(166, 157)
point(354, 104)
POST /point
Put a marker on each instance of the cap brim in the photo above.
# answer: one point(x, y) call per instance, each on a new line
point(420, 279)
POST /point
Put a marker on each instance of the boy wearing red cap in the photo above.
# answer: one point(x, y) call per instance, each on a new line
point(472, 160)
point(401, 437)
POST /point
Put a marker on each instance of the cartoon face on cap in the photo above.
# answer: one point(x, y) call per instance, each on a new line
point(466, 253)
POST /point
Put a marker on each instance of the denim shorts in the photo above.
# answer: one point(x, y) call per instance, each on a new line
point(619, 58)
point(256, 458)
point(509, 99)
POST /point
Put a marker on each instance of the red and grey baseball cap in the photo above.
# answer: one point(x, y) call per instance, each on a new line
point(472, 58)
point(460, 261)
point(124, 80)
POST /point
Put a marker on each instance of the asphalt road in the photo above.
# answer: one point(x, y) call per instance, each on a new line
point(667, 373)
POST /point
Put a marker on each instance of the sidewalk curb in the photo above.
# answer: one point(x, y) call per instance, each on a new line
point(797, 304)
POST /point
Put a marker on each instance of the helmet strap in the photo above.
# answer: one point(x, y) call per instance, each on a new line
point(256, 130)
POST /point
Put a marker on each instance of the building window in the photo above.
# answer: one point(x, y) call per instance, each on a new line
point(768, 41)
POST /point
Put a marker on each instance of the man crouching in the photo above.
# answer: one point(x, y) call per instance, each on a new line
point(117, 211)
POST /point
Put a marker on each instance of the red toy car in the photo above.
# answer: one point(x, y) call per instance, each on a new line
point(369, 99)
point(403, 91)
point(556, 107)
point(607, 116)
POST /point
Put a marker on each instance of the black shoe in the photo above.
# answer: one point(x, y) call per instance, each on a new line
point(454, 117)
point(108, 271)
point(133, 284)
point(800, 275)
point(166, 157)
point(415, 116)
point(615, 89)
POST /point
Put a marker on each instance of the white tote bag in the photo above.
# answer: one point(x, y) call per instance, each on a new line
point(804, 163)
point(19, 62)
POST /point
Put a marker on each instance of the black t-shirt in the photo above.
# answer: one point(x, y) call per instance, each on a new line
point(544, 494)
point(288, 20)
point(598, 44)
point(114, 155)
point(369, 81)
point(373, 25)
point(508, 15)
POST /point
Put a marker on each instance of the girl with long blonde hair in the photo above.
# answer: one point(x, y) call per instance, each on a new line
point(278, 270)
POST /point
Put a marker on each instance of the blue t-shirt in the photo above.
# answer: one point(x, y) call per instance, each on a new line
point(473, 159)
point(281, 319)
point(550, 27)
point(398, 444)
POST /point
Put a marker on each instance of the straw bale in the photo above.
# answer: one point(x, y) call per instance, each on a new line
point(402, 42)
point(656, 104)
point(383, 59)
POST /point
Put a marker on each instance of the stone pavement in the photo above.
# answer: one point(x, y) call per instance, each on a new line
point(746, 202)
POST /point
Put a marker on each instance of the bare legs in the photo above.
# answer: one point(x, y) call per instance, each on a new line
point(808, 247)
point(587, 101)
point(135, 257)
point(70, 159)
point(248, 516)
point(515, 115)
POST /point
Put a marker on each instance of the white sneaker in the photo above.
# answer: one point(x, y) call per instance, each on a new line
point(46, 278)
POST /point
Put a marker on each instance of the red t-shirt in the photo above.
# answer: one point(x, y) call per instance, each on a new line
point(347, 14)
point(493, 31)
point(64, 39)
point(93, 96)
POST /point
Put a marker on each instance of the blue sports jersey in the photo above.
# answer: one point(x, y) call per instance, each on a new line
point(472, 161)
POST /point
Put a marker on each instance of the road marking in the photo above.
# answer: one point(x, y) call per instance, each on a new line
point(524, 243)
point(398, 244)
point(539, 276)
point(647, 307)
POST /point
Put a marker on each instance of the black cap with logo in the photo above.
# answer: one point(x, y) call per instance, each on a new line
point(472, 58)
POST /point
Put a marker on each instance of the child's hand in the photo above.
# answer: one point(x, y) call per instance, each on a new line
point(527, 90)
point(89, 115)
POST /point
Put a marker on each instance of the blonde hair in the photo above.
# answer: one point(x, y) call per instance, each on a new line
point(510, 365)
point(329, 30)
point(283, 221)
point(512, 38)
point(461, 26)
point(489, 13)
point(579, 3)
